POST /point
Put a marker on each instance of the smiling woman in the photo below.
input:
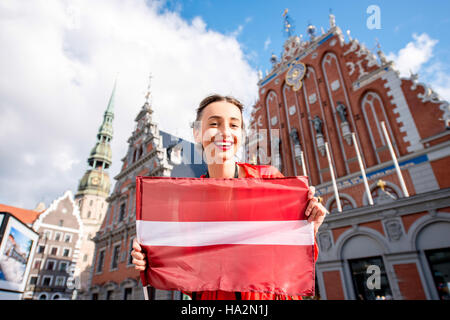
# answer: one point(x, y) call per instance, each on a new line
point(219, 131)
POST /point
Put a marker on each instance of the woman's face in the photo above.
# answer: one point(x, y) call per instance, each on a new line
point(221, 131)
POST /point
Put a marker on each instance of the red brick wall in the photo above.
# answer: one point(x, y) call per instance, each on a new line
point(409, 219)
point(338, 231)
point(441, 169)
point(118, 275)
point(376, 225)
point(426, 115)
point(409, 281)
point(333, 285)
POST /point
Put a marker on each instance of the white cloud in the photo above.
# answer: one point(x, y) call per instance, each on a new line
point(414, 55)
point(29, 159)
point(59, 60)
point(238, 31)
point(417, 57)
point(437, 75)
point(267, 43)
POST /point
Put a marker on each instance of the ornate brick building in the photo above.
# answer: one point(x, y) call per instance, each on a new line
point(320, 92)
point(151, 152)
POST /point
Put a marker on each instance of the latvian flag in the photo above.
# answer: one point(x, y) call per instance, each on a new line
point(237, 235)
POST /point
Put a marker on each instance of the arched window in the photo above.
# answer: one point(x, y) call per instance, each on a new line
point(383, 194)
point(346, 204)
point(43, 296)
point(374, 112)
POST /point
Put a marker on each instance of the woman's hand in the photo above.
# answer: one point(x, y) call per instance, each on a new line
point(315, 211)
point(138, 257)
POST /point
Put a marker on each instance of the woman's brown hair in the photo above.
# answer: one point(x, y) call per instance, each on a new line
point(215, 98)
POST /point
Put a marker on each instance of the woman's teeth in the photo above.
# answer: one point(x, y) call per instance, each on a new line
point(226, 144)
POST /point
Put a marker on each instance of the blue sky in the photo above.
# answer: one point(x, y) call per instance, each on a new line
point(262, 20)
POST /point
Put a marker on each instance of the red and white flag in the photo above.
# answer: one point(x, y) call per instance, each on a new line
point(237, 235)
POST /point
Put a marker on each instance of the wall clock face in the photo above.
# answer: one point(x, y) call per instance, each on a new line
point(295, 75)
point(95, 180)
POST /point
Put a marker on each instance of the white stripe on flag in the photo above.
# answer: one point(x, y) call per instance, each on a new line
point(194, 234)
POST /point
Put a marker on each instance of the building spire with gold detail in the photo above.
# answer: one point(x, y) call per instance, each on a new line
point(288, 24)
point(147, 95)
point(96, 181)
point(144, 116)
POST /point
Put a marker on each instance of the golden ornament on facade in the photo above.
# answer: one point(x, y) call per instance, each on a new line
point(295, 75)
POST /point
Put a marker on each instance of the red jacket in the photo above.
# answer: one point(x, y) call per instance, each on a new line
point(251, 171)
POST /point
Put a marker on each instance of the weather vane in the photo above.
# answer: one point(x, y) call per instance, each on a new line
point(148, 88)
point(288, 24)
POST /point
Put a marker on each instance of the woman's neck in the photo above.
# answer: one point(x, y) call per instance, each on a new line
point(222, 170)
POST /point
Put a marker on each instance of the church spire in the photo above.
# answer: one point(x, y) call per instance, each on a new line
point(111, 99)
point(95, 180)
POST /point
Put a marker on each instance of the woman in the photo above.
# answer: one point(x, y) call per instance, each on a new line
point(219, 130)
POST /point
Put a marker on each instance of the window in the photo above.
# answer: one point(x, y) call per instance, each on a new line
point(41, 249)
point(63, 266)
point(54, 251)
point(89, 214)
point(66, 252)
point(95, 296)
point(58, 236)
point(56, 297)
point(127, 293)
point(115, 257)
point(50, 265)
point(61, 223)
point(345, 205)
point(439, 261)
point(46, 281)
point(60, 281)
point(68, 237)
point(109, 294)
point(122, 212)
point(37, 264)
point(130, 257)
point(43, 296)
point(33, 280)
point(360, 276)
point(85, 258)
point(383, 194)
point(47, 234)
point(101, 260)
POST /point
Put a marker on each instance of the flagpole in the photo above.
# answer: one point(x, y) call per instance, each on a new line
point(145, 292)
point(303, 163)
point(336, 194)
point(361, 166)
point(394, 159)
